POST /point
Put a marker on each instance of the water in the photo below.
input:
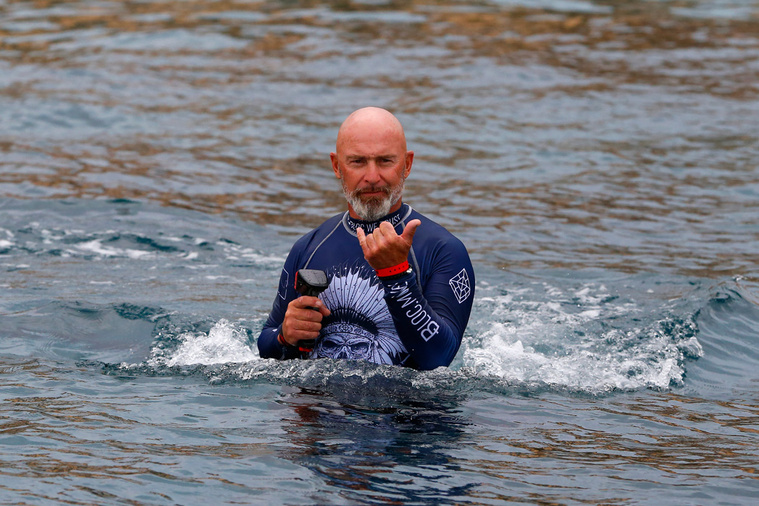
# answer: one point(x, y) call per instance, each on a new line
point(599, 159)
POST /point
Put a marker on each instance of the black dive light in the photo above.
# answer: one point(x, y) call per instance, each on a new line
point(310, 282)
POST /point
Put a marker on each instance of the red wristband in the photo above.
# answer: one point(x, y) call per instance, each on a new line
point(392, 271)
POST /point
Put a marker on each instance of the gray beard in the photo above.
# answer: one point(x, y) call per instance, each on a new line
point(375, 208)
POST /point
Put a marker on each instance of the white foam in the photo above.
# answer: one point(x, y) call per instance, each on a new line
point(97, 247)
point(224, 343)
point(562, 342)
point(236, 252)
point(579, 370)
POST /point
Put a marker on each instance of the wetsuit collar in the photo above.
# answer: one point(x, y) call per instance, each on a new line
point(369, 226)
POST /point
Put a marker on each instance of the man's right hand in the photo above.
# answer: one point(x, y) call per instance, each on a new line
point(303, 319)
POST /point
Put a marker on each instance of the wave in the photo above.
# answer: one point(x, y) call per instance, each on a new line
point(59, 230)
point(584, 341)
point(581, 341)
point(728, 330)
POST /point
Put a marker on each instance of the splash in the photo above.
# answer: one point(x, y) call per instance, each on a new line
point(224, 343)
point(580, 339)
point(535, 338)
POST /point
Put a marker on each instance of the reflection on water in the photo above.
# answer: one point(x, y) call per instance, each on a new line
point(372, 452)
point(320, 446)
point(674, 438)
point(586, 134)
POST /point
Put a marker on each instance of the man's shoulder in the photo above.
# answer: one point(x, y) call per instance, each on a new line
point(321, 231)
point(330, 224)
point(437, 250)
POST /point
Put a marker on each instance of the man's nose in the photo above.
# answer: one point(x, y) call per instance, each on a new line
point(372, 173)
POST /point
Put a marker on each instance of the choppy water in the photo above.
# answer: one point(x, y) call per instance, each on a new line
point(599, 159)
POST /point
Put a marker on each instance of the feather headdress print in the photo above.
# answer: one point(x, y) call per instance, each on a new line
point(359, 326)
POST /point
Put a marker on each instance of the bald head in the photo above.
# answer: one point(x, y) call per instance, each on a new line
point(371, 123)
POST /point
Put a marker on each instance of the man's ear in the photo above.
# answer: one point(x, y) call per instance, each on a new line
point(335, 167)
point(409, 162)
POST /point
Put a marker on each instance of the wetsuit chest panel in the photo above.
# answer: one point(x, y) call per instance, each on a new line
point(360, 326)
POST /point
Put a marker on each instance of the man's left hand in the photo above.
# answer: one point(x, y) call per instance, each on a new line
point(384, 248)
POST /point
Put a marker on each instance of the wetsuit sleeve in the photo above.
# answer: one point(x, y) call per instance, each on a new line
point(431, 320)
point(268, 346)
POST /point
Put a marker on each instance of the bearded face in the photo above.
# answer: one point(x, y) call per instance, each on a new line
point(372, 161)
point(374, 207)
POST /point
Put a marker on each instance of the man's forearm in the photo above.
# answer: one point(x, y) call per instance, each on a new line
point(271, 347)
point(430, 339)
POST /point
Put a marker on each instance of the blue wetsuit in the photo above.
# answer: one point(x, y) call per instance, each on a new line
point(416, 320)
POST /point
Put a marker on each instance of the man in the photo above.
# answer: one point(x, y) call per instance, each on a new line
point(400, 285)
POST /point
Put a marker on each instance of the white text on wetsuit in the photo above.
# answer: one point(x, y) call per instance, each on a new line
point(417, 315)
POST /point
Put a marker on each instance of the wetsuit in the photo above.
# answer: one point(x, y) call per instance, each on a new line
point(416, 320)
